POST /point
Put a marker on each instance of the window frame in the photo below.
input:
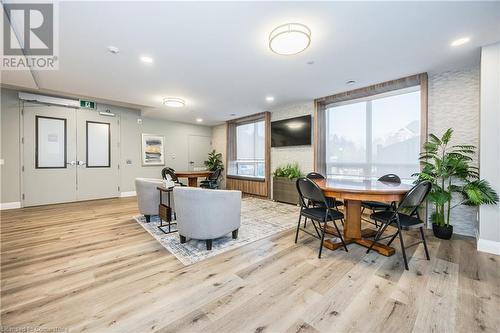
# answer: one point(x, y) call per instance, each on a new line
point(320, 105)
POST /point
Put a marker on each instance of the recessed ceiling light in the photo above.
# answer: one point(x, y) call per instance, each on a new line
point(174, 102)
point(290, 39)
point(270, 99)
point(460, 41)
point(146, 59)
point(113, 49)
point(199, 120)
point(350, 82)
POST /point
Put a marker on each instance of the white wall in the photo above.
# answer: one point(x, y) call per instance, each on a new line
point(176, 145)
point(489, 169)
point(454, 102)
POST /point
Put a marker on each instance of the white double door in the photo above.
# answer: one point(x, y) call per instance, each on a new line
point(68, 155)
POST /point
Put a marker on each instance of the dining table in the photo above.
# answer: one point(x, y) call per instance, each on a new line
point(353, 192)
point(192, 176)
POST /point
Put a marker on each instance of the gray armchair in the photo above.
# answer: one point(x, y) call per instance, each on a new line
point(207, 214)
point(148, 197)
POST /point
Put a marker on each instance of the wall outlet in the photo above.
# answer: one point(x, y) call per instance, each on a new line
point(172, 156)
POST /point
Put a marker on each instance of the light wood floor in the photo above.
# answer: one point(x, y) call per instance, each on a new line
point(89, 267)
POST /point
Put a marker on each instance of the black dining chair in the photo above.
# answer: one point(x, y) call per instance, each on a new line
point(333, 202)
point(171, 172)
point(212, 181)
point(321, 214)
point(404, 221)
point(375, 206)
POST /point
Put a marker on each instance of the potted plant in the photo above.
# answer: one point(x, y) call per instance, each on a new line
point(284, 189)
point(214, 161)
point(448, 168)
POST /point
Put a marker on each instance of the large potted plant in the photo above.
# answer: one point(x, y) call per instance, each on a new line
point(284, 189)
point(449, 169)
point(214, 161)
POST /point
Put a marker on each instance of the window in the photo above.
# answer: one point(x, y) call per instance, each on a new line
point(374, 136)
point(98, 145)
point(50, 142)
point(250, 150)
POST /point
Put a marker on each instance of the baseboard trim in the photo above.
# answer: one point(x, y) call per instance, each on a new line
point(127, 194)
point(488, 246)
point(10, 205)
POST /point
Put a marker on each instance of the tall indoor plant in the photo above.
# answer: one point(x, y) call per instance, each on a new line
point(214, 161)
point(449, 169)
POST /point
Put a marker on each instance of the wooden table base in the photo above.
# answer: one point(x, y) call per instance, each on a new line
point(378, 247)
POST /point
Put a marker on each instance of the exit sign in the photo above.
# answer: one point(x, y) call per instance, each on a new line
point(87, 104)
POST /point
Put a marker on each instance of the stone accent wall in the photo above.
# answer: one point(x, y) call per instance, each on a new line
point(303, 155)
point(219, 140)
point(454, 102)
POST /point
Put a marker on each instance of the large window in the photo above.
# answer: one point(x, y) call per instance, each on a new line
point(374, 136)
point(250, 150)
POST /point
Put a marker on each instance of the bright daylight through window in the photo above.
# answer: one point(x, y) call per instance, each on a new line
point(374, 136)
point(250, 148)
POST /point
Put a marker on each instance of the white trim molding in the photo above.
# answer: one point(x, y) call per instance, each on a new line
point(10, 205)
point(127, 194)
point(488, 246)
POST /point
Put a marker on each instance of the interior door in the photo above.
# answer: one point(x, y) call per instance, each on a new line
point(198, 149)
point(97, 155)
point(49, 168)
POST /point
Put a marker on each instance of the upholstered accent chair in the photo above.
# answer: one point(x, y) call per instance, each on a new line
point(206, 214)
point(148, 197)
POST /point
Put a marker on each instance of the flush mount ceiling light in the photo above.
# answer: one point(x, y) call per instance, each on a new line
point(289, 39)
point(146, 59)
point(270, 99)
point(113, 49)
point(460, 41)
point(199, 120)
point(174, 102)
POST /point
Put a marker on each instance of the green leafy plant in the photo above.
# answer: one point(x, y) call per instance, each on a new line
point(290, 171)
point(448, 168)
point(214, 161)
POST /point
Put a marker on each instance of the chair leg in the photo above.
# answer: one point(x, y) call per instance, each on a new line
point(425, 244)
point(305, 221)
point(148, 218)
point(322, 239)
point(340, 236)
point(298, 227)
point(209, 244)
point(392, 238)
point(183, 239)
point(403, 247)
point(316, 228)
point(377, 236)
point(235, 234)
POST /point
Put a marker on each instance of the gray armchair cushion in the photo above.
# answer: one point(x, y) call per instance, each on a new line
point(148, 197)
point(207, 214)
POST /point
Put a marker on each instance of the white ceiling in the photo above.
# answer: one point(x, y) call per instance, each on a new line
point(216, 57)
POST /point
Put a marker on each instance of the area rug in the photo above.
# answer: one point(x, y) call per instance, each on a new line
point(259, 219)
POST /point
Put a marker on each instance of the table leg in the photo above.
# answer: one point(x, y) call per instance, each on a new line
point(353, 232)
point(193, 181)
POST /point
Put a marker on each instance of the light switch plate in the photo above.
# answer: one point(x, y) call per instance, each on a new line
point(139, 121)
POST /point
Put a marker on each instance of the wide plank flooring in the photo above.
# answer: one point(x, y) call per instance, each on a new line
point(88, 267)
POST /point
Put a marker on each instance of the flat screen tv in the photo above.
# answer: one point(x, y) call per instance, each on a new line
point(291, 132)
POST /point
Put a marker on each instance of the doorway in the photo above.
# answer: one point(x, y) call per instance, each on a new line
point(198, 148)
point(68, 155)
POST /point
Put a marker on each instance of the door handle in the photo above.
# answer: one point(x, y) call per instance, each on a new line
point(71, 163)
point(191, 162)
point(81, 163)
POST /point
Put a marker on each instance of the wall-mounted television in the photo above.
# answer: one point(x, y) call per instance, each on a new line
point(291, 132)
